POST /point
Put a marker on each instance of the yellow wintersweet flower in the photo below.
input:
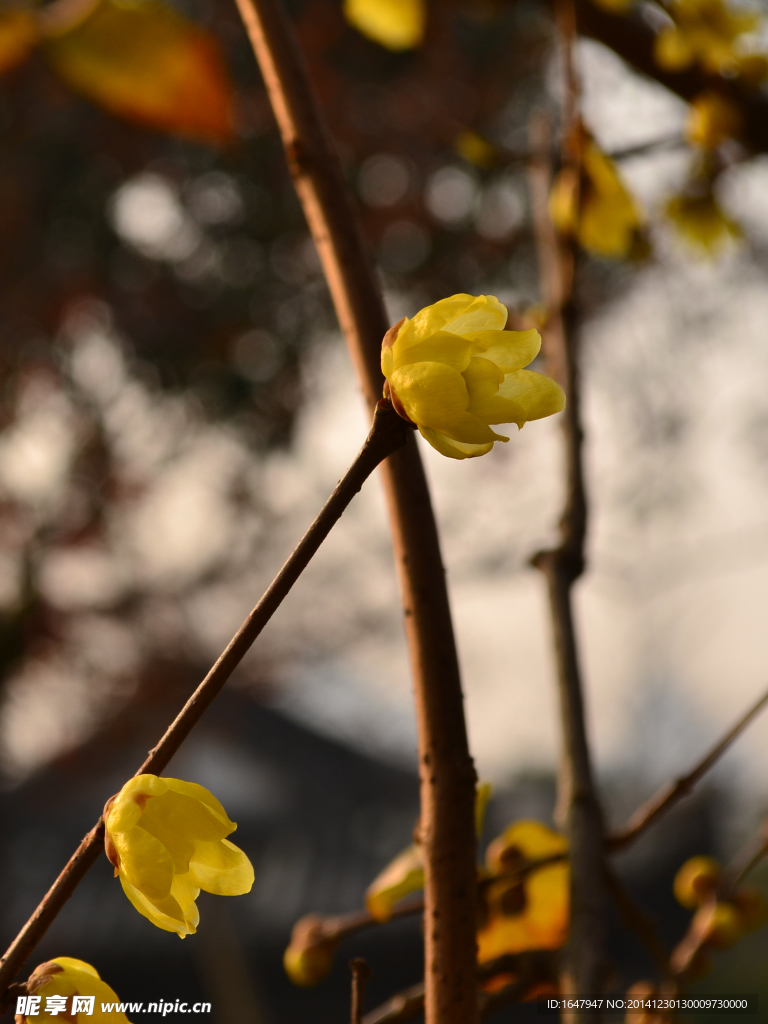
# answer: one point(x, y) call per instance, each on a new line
point(67, 978)
point(596, 207)
point(711, 120)
point(167, 841)
point(705, 31)
point(453, 370)
point(530, 908)
point(396, 24)
point(699, 221)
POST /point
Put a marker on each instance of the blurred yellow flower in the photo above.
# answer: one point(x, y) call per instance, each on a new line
point(402, 876)
point(699, 222)
point(596, 207)
point(705, 31)
point(453, 370)
point(396, 24)
point(475, 149)
point(62, 980)
point(711, 120)
point(167, 841)
point(530, 911)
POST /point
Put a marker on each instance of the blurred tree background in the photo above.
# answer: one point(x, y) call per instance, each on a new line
point(170, 412)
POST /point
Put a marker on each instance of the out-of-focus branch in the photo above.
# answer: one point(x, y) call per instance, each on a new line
point(447, 774)
point(685, 955)
point(561, 566)
point(632, 38)
point(634, 918)
point(672, 792)
point(361, 972)
point(526, 969)
point(388, 433)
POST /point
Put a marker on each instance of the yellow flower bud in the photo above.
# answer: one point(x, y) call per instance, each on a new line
point(166, 839)
point(65, 977)
point(401, 877)
point(396, 24)
point(712, 120)
point(309, 957)
point(696, 881)
point(719, 924)
point(453, 370)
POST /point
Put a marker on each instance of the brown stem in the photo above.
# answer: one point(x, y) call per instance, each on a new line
point(388, 433)
point(527, 969)
point(361, 972)
point(446, 771)
point(563, 565)
point(672, 792)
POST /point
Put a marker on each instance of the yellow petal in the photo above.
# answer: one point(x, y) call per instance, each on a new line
point(185, 892)
point(535, 394)
point(482, 378)
point(69, 963)
point(436, 395)
point(196, 792)
point(460, 314)
point(440, 347)
point(455, 449)
point(187, 816)
point(396, 24)
point(77, 978)
point(145, 861)
point(221, 868)
point(533, 840)
point(166, 914)
point(510, 350)
point(403, 875)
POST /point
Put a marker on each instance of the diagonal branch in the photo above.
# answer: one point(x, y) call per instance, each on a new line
point(446, 771)
point(388, 433)
point(673, 792)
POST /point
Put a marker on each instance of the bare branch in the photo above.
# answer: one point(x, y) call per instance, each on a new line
point(446, 771)
point(388, 433)
point(673, 792)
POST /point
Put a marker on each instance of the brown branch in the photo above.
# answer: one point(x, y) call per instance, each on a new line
point(577, 799)
point(672, 792)
point(361, 972)
point(388, 433)
point(446, 771)
point(527, 968)
point(686, 953)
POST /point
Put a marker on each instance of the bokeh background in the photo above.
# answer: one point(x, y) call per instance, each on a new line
point(176, 403)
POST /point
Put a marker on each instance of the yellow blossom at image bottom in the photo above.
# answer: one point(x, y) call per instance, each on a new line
point(527, 909)
point(166, 838)
point(453, 370)
point(69, 990)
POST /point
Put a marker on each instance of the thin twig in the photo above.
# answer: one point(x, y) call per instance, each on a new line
point(446, 771)
point(672, 792)
point(686, 953)
point(577, 798)
point(634, 917)
point(388, 433)
point(361, 972)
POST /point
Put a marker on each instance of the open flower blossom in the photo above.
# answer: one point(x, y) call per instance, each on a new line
point(453, 370)
point(595, 207)
point(62, 981)
point(527, 909)
point(395, 24)
point(166, 839)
